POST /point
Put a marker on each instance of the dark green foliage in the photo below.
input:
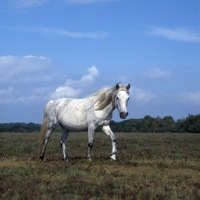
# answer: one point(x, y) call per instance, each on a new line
point(148, 166)
point(148, 124)
point(23, 127)
point(193, 123)
point(158, 125)
point(19, 127)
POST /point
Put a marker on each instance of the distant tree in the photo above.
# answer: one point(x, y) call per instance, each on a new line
point(138, 125)
point(181, 125)
point(3, 128)
point(18, 128)
point(154, 126)
point(193, 123)
point(147, 124)
point(31, 127)
point(167, 124)
point(190, 124)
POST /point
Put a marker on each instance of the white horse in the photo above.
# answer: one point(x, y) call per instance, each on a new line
point(84, 114)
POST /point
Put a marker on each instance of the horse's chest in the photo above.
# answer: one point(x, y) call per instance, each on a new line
point(102, 119)
point(103, 123)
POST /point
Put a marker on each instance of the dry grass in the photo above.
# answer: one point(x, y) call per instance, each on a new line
point(149, 166)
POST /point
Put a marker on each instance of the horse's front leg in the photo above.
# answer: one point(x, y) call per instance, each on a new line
point(90, 141)
point(108, 131)
point(63, 142)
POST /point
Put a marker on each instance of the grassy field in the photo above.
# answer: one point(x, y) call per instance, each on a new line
point(148, 166)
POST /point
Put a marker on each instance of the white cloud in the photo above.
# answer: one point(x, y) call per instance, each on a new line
point(68, 89)
point(6, 91)
point(60, 32)
point(11, 96)
point(78, 35)
point(28, 99)
point(23, 69)
point(175, 34)
point(27, 73)
point(156, 73)
point(26, 3)
point(92, 73)
point(190, 98)
point(141, 96)
point(43, 90)
point(65, 91)
point(6, 95)
point(85, 1)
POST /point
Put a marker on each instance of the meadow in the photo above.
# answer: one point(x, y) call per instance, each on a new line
point(149, 166)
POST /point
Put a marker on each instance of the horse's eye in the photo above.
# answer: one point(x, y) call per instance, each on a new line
point(117, 98)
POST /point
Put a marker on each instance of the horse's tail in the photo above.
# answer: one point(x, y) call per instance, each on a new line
point(44, 126)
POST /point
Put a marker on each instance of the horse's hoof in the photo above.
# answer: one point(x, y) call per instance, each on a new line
point(66, 159)
point(41, 158)
point(113, 157)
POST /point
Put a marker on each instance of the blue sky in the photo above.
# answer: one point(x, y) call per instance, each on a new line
point(71, 48)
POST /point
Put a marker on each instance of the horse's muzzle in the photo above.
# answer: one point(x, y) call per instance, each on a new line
point(123, 115)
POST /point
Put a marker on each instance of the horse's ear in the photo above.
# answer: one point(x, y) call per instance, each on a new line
point(128, 86)
point(117, 86)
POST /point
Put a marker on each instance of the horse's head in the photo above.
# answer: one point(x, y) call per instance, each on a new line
point(121, 99)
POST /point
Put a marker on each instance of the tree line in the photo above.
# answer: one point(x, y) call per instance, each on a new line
point(190, 124)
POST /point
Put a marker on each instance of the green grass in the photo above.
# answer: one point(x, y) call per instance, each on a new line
point(148, 166)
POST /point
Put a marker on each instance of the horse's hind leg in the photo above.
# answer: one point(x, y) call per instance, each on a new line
point(90, 141)
point(63, 141)
point(50, 127)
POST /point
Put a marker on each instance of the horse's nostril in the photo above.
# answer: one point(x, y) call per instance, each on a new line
point(123, 115)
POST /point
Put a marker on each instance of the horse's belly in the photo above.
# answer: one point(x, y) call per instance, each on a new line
point(74, 118)
point(75, 127)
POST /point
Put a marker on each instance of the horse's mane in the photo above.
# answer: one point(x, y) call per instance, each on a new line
point(104, 96)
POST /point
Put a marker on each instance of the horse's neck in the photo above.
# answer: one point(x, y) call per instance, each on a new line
point(109, 108)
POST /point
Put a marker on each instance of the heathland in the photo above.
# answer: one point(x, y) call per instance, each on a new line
point(149, 166)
